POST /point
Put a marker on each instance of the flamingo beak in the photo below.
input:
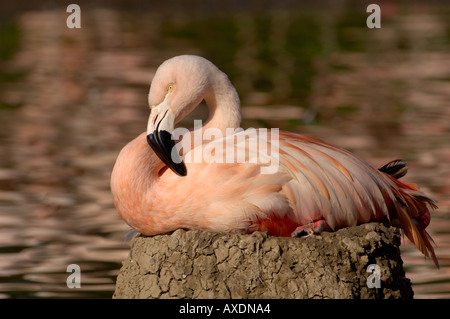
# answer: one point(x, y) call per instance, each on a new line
point(159, 137)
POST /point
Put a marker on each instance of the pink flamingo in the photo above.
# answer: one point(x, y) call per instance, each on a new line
point(318, 186)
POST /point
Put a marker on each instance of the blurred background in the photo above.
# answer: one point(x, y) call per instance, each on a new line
point(70, 99)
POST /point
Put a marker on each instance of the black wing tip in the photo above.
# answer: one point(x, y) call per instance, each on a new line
point(396, 168)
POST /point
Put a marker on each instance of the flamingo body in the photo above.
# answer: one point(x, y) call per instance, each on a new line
point(315, 183)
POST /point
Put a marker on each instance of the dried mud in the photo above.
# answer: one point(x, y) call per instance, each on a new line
point(198, 264)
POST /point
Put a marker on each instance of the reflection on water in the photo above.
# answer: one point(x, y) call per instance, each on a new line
point(71, 98)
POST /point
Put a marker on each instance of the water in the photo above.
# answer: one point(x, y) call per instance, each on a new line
point(72, 98)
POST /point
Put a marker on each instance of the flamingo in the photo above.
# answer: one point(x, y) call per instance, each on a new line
point(317, 186)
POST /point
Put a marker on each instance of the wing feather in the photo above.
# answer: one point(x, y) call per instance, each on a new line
point(314, 180)
point(349, 190)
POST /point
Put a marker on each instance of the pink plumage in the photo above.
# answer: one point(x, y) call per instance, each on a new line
point(316, 187)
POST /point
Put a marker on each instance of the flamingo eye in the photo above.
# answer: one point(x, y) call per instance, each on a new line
point(170, 87)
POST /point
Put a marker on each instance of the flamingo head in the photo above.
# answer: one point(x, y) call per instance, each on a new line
point(178, 86)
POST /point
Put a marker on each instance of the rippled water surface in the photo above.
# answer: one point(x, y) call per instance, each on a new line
point(70, 99)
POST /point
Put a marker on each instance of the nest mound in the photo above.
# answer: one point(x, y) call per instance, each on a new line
point(199, 264)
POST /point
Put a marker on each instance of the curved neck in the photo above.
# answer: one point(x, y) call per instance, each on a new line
point(224, 112)
point(224, 105)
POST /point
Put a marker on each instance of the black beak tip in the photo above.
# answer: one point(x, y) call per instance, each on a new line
point(180, 169)
point(162, 144)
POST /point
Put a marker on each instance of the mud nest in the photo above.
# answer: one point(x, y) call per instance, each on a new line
point(198, 264)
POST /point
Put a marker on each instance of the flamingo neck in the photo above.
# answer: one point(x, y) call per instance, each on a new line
point(224, 112)
point(224, 105)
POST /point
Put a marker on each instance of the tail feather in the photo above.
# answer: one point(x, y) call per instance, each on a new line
point(420, 238)
point(427, 238)
point(396, 168)
point(414, 201)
